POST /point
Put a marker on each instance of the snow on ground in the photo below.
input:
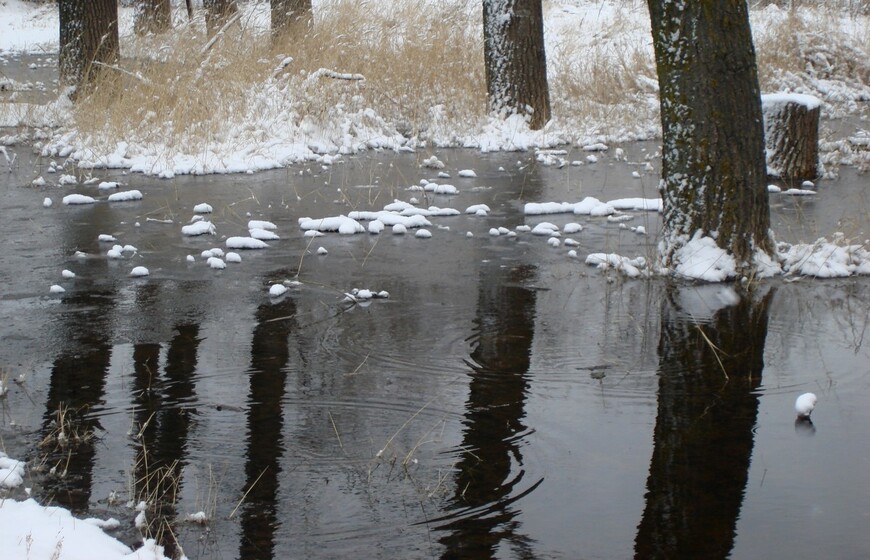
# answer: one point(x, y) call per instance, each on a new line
point(28, 27)
point(34, 532)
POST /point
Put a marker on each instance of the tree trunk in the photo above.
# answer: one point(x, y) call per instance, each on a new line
point(289, 16)
point(713, 165)
point(516, 64)
point(152, 16)
point(791, 135)
point(88, 34)
point(217, 12)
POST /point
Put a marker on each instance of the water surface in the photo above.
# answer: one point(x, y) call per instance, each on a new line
point(506, 401)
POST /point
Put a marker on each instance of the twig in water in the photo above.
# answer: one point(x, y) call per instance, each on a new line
point(335, 428)
point(716, 351)
point(302, 256)
point(357, 368)
point(369, 252)
point(248, 491)
point(402, 427)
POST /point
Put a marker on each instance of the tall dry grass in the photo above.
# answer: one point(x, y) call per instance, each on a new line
point(171, 91)
point(600, 72)
point(797, 47)
point(423, 66)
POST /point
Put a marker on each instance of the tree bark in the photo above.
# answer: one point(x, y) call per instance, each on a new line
point(791, 136)
point(289, 16)
point(88, 34)
point(217, 12)
point(713, 163)
point(152, 16)
point(516, 63)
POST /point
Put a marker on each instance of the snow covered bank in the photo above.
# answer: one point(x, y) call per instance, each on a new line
point(34, 532)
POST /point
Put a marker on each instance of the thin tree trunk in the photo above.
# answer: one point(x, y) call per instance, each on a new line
point(713, 166)
point(152, 16)
point(516, 63)
point(289, 16)
point(88, 34)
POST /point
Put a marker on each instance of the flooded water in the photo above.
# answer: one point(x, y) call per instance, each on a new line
point(506, 400)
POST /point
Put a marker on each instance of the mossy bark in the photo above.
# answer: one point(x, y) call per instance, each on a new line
point(713, 163)
point(516, 62)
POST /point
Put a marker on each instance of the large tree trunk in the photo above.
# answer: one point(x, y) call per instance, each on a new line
point(713, 166)
point(217, 12)
point(88, 34)
point(516, 64)
point(289, 16)
point(152, 16)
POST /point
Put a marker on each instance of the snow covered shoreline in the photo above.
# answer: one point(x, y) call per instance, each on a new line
point(30, 530)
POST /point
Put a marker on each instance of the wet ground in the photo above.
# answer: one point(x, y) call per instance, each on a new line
point(506, 400)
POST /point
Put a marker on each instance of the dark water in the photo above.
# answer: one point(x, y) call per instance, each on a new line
point(506, 401)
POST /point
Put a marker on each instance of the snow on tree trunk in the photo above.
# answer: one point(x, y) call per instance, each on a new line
point(217, 12)
point(88, 33)
point(152, 16)
point(713, 167)
point(289, 16)
point(791, 135)
point(516, 63)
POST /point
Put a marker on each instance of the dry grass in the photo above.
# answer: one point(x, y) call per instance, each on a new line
point(423, 70)
point(601, 72)
point(812, 46)
point(68, 431)
point(170, 91)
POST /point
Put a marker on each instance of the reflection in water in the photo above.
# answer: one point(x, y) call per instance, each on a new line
point(703, 436)
point(78, 375)
point(163, 418)
point(77, 384)
point(490, 466)
point(804, 427)
point(269, 356)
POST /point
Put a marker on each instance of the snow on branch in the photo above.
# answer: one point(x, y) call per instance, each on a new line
point(327, 73)
point(220, 33)
point(135, 75)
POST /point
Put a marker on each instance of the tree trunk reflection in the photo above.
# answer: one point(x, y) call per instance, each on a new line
point(490, 473)
point(265, 448)
point(703, 436)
